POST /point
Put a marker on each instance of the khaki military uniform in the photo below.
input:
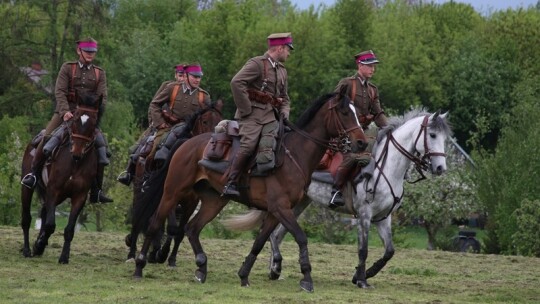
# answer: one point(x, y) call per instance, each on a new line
point(85, 78)
point(264, 74)
point(366, 100)
point(186, 102)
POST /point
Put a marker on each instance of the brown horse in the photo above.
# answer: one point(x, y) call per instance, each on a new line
point(277, 193)
point(201, 122)
point(69, 173)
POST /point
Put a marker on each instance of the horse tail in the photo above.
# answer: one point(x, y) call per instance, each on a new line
point(244, 222)
point(146, 202)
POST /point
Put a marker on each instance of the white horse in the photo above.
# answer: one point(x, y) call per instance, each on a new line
point(417, 137)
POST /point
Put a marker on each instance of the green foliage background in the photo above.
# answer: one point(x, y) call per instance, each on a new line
point(482, 68)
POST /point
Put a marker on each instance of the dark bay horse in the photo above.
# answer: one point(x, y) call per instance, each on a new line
point(416, 138)
point(68, 174)
point(201, 122)
point(301, 150)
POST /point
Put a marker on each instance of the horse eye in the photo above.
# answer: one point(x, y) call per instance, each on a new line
point(432, 135)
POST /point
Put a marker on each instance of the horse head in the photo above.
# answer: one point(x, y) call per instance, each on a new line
point(83, 123)
point(430, 142)
point(207, 118)
point(342, 121)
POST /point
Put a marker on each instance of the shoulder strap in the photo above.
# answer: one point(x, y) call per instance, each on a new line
point(353, 89)
point(173, 96)
point(97, 72)
point(73, 68)
point(201, 100)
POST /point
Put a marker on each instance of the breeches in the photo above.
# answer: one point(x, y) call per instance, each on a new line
point(251, 132)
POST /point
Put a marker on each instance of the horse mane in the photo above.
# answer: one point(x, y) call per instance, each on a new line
point(440, 124)
point(87, 98)
point(310, 112)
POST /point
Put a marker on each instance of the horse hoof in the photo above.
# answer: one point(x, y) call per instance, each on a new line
point(130, 260)
point(172, 264)
point(363, 284)
point(200, 276)
point(274, 275)
point(306, 286)
point(27, 253)
point(63, 261)
point(127, 240)
point(244, 282)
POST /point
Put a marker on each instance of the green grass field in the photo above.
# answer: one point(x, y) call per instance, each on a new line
point(98, 273)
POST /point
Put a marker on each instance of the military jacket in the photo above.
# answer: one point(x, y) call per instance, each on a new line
point(186, 102)
point(85, 78)
point(253, 76)
point(366, 100)
point(161, 88)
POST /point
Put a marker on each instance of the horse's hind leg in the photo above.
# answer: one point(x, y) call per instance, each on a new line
point(77, 205)
point(277, 237)
point(211, 205)
point(26, 219)
point(384, 229)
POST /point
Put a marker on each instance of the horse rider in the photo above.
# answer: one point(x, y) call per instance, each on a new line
point(127, 176)
point(365, 97)
point(73, 76)
point(183, 99)
point(259, 89)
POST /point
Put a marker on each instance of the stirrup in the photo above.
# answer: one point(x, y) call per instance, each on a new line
point(124, 178)
point(27, 183)
point(336, 200)
point(230, 189)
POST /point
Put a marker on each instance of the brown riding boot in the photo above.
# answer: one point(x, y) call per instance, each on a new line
point(96, 194)
point(30, 179)
point(237, 167)
point(339, 181)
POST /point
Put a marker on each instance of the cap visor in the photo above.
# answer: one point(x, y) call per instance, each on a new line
point(290, 46)
point(89, 49)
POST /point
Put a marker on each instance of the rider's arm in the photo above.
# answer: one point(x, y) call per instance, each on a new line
point(240, 83)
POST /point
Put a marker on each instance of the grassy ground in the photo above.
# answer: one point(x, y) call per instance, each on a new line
point(98, 273)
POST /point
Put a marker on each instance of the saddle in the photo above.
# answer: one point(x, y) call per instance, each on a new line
point(222, 147)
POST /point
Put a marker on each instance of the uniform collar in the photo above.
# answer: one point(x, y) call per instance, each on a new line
point(84, 66)
point(187, 89)
point(362, 81)
point(272, 61)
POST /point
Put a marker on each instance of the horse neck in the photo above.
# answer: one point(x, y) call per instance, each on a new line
point(305, 151)
point(397, 163)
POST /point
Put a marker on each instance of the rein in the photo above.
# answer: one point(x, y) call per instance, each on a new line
point(344, 141)
point(421, 162)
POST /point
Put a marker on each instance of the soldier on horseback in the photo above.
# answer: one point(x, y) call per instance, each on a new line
point(74, 76)
point(365, 96)
point(172, 106)
point(135, 151)
point(259, 87)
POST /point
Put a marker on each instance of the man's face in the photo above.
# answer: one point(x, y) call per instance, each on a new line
point(180, 77)
point(366, 71)
point(283, 53)
point(85, 56)
point(194, 81)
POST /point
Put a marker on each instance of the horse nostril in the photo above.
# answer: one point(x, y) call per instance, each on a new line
point(362, 145)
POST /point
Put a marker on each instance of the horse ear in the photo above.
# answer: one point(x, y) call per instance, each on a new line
point(435, 115)
point(444, 115)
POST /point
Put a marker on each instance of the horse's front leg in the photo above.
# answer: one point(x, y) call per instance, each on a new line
point(384, 228)
point(156, 222)
point(172, 231)
point(211, 205)
point(183, 213)
point(48, 225)
point(359, 278)
point(287, 218)
point(77, 205)
point(26, 219)
point(277, 237)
